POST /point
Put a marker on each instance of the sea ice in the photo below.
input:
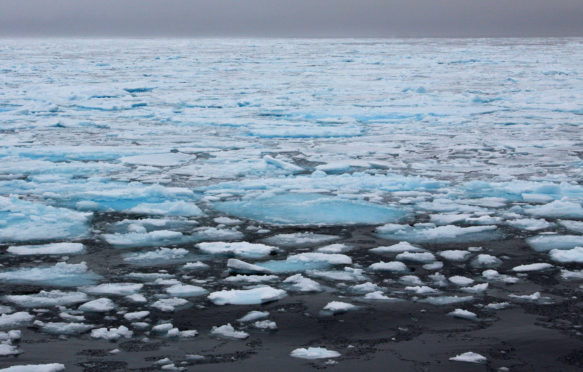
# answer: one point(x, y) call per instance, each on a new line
point(228, 331)
point(47, 249)
point(299, 239)
point(61, 274)
point(394, 266)
point(566, 256)
point(237, 249)
point(437, 234)
point(114, 289)
point(50, 367)
point(544, 243)
point(314, 353)
point(299, 283)
point(455, 255)
point(253, 316)
point(338, 307)
point(169, 304)
point(22, 221)
point(15, 320)
point(185, 290)
point(397, 248)
point(469, 357)
point(252, 296)
point(112, 334)
point(309, 209)
point(47, 298)
point(532, 267)
point(101, 305)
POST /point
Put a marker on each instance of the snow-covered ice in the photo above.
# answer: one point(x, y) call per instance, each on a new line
point(469, 357)
point(228, 331)
point(252, 296)
point(314, 353)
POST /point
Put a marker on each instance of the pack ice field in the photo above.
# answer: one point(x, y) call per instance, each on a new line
point(235, 203)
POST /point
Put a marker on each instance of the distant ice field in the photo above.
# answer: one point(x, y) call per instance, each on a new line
point(229, 172)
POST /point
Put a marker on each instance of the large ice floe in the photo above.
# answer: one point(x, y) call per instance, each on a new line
point(309, 209)
point(22, 220)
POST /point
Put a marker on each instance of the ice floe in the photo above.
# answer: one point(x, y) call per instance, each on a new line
point(252, 296)
point(314, 353)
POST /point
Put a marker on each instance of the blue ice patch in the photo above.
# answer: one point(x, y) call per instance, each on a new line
point(310, 209)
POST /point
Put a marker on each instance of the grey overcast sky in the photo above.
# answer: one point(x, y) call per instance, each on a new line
point(295, 18)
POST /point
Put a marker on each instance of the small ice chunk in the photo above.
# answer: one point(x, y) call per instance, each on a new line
point(47, 249)
point(238, 249)
point(437, 265)
point(101, 305)
point(438, 234)
point(463, 314)
point(61, 274)
point(497, 305)
point(397, 248)
point(447, 300)
point(544, 243)
point(485, 261)
point(334, 248)
point(7, 349)
point(478, 288)
point(364, 288)
point(227, 221)
point(168, 208)
point(378, 296)
point(240, 279)
point(529, 224)
point(252, 296)
point(576, 226)
point(338, 307)
point(185, 290)
point(299, 283)
point(566, 256)
point(299, 239)
point(136, 298)
point(228, 331)
point(455, 255)
point(253, 316)
point(195, 266)
point(62, 328)
point(557, 209)
point(114, 289)
point(112, 334)
point(461, 280)
point(243, 267)
point(348, 274)
point(420, 257)
point(47, 298)
point(421, 289)
point(570, 275)
point(169, 304)
point(532, 267)
point(495, 275)
point(265, 324)
point(410, 280)
point(15, 320)
point(50, 367)
point(314, 353)
point(531, 297)
point(469, 357)
point(394, 266)
point(136, 315)
point(146, 239)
